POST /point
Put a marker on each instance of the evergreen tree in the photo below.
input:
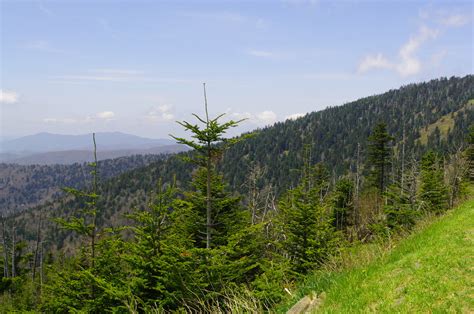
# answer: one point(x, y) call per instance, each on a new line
point(343, 204)
point(379, 157)
point(162, 271)
point(227, 214)
point(433, 191)
point(208, 145)
point(306, 224)
point(400, 210)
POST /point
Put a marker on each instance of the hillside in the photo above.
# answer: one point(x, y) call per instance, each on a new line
point(182, 239)
point(68, 157)
point(332, 134)
point(430, 271)
point(26, 186)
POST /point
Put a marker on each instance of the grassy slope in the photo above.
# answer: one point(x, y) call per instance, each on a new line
point(445, 123)
point(430, 271)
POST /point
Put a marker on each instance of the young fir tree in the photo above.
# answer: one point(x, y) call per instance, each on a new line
point(433, 191)
point(87, 281)
point(84, 221)
point(379, 155)
point(309, 236)
point(226, 215)
point(400, 209)
point(162, 268)
point(208, 143)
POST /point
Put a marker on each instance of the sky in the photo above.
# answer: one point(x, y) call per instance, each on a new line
point(74, 67)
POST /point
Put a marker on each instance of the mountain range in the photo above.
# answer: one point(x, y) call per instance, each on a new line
point(47, 148)
point(434, 115)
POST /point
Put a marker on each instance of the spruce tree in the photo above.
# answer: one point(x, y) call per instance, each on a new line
point(433, 191)
point(379, 156)
point(208, 143)
point(309, 236)
point(161, 268)
point(226, 216)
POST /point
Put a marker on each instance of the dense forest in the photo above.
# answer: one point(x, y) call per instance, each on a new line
point(26, 186)
point(234, 223)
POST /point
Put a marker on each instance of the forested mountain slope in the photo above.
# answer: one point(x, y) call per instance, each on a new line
point(26, 186)
point(334, 135)
point(68, 157)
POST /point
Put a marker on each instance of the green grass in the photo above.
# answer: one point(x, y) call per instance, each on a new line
point(432, 270)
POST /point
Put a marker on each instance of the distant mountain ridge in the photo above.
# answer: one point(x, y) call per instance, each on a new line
point(67, 157)
point(49, 142)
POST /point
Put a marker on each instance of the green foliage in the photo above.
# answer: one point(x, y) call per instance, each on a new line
point(208, 144)
point(75, 285)
point(379, 155)
point(161, 258)
point(433, 191)
point(161, 255)
point(429, 271)
point(400, 209)
point(227, 215)
point(343, 204)
point(33, 185)
point(334, 134)
point(306, 225)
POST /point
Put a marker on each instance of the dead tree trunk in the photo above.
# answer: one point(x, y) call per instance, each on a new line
point(5, 250)
point(402, 182)
point(13, 251)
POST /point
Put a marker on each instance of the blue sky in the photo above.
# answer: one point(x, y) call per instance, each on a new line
point(137, 66)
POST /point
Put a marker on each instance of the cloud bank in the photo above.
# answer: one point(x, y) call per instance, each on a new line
point(8, 97)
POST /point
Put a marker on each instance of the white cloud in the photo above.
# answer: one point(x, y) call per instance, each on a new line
point(260, 118)
point(261, 53)
point(267, 117)
point(242, 115)
point(374, 62)
point(455, 20)
point(446, 17)
point(105, 115)
point(8, 97)
point(161, 113)
point(294, 116)
point(408, 62)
